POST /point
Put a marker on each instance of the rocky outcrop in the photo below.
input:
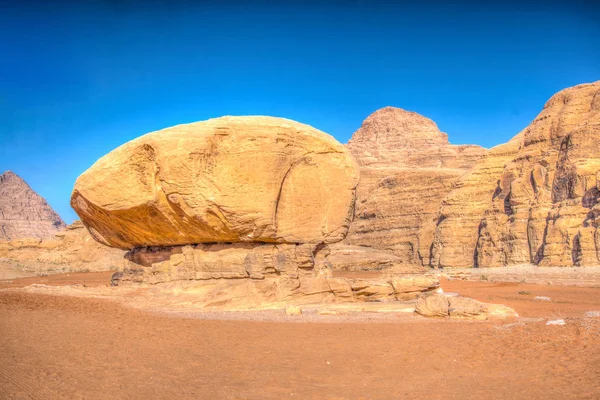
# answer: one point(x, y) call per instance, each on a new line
point(350, 258)
point(253, 274)
point(534, 200)
point(23, 212)
point(459, 218)
point(229, 179)
point(71, 250)
point(440, 305)
point(393, 137)
point(407, 167)
point(240, 210)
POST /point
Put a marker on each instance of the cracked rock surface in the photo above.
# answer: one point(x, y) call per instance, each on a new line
point(228, 179)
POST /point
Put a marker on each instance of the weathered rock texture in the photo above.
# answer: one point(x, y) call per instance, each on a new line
point(229, 179)
point(393, 137)
point(253, 274)
point(440, 305)
point(71, 250)
point(350, 258)
point(535, 199)
point(407, 167)
point(459, 218)
point(24, 213)
point(239, 210)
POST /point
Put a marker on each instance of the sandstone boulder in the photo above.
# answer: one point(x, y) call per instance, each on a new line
point(439, 305)
point(229, 179)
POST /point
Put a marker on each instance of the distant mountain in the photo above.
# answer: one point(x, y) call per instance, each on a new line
point(23, 212)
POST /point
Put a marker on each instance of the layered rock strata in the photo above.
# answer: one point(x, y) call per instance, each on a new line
point(534, 200)
point(256, 274)
point(407, 167)
point(71, 250)
point(23, 212)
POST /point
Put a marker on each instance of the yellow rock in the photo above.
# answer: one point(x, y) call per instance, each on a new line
point(229, 179)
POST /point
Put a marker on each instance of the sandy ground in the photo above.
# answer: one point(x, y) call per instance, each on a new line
point(66, 347)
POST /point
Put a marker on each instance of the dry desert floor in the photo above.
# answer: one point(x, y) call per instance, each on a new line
point(60, 347)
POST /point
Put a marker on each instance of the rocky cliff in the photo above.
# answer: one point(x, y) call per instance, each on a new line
point(534, 200)
point(407, 167)
point(70, 250)
point(24, 213)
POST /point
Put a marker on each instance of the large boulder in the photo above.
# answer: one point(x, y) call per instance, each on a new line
point(229, 179)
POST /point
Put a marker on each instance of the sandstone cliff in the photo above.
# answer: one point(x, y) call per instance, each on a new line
point(24, 213)
point(71, 250)
point(407, 167)
point(535, 199)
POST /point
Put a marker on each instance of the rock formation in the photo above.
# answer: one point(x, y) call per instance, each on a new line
point(23, 212)
point(229, 179)
point(241, 208)
point(71, 250)
point(441, 305)
point(407, 167)
point(534, 200)
point(460, 214)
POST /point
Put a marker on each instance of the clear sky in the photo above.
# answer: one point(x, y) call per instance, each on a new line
point(78, 80)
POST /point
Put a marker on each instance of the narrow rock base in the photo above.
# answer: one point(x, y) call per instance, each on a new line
point(250, 275)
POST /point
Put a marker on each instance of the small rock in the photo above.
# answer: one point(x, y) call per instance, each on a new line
point(592, 314)
point(293, 310)
point(451, 294)
point(432, 306)
point(542, 298)
point(556, 322)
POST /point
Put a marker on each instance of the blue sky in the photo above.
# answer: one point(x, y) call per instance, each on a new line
point(77, 80)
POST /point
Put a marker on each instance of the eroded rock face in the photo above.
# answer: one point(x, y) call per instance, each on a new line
point(253, 274)
point(407, 167)
point(71, 250)
point(23, 212)
point(344, 257)
point(393, 137)
point(459, 218)
point(229, 179)
point(534, 200)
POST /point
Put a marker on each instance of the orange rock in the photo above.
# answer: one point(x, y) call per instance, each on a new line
point(229, 179)
point(407, 167)
point(543, 209)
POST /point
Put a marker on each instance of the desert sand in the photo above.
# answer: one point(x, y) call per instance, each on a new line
point(67, 347)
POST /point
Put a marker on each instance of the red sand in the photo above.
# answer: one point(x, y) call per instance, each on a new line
point(63, 347)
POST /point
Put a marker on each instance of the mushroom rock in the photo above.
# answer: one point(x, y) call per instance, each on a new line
point(229, 179)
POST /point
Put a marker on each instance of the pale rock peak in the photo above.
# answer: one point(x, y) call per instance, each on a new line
point(400, 128)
